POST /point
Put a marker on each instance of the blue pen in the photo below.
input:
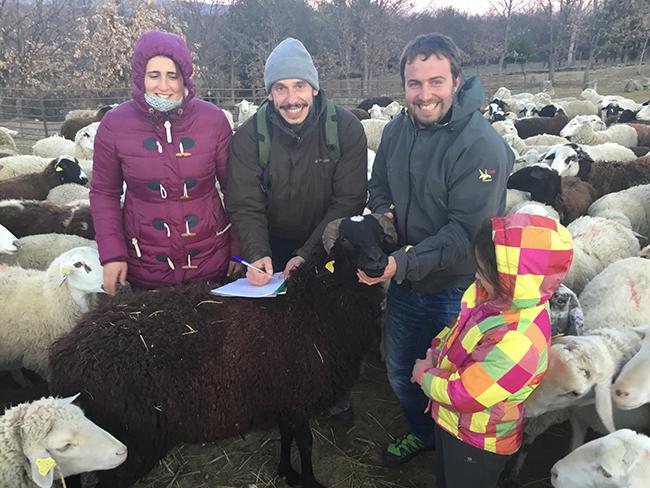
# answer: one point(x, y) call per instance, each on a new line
point(246, 263)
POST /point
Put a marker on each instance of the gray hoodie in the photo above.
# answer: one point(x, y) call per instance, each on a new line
point(441, 182)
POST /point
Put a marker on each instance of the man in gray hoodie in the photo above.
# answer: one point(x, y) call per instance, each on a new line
point(439, 173)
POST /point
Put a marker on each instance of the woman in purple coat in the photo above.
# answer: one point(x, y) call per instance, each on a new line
point(168, 148)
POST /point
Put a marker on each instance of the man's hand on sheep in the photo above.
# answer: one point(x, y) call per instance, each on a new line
point(420, 367)
point(294, 262)
point(256, 278)
point(389, 272)
point(114, 272)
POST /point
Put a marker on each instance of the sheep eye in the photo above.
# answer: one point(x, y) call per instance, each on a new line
point(78, 264)
point(575, 393)
point(586, 373)
point(604, 472)
point(65, 447)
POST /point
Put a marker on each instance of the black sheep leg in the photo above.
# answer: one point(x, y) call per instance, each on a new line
point(304, 440)
point(285, 470)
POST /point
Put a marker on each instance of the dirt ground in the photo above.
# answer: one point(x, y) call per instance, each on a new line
point(343, 457)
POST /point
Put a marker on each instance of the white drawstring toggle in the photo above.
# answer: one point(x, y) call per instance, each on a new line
point(160, 149)
point(169, 232)
point(189, 263)
point(168, 130)
point(134, 241)
point(170, 263)
point(185, 196)
point(163, 192)
point(187, 232)
point(224, 229)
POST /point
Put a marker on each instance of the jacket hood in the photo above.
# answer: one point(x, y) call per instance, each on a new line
point(467, 99)
point(533, 256)
point(158, 43)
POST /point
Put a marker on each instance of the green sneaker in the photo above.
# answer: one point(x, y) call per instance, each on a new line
point(403, 449)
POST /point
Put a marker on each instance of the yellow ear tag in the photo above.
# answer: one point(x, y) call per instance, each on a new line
point(45, 465)
point(58, 169)
point(329, 266)
point(65, 269)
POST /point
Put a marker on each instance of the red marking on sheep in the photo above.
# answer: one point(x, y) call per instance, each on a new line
point(636, 298)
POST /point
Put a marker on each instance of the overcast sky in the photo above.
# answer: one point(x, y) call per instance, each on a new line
point(471, 6)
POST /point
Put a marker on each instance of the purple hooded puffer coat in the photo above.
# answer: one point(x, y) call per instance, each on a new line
point(173, 227)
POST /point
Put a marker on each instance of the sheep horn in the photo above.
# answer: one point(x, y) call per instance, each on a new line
point(330, 234)
point(387, 225)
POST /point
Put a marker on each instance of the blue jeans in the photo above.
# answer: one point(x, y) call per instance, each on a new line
point(412, 320)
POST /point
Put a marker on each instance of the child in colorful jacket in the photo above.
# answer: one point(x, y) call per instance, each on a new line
point(480, 369)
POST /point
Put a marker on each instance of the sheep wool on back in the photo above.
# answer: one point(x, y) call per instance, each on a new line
point(490, 359)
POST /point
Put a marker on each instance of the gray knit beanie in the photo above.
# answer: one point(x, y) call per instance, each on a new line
point(290, 59)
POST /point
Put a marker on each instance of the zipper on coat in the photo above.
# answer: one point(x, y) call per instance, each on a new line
point(134, 241)
point(408, 200)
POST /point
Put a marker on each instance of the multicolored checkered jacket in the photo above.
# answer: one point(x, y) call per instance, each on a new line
point(495, 353)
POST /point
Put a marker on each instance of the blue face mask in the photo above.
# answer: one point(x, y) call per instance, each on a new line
point(162, 104)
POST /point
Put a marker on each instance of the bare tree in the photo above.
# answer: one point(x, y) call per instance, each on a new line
point(505, 10)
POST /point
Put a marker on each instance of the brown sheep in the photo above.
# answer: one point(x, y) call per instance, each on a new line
point(36, 186)
point(28, 217)
point(534, 126)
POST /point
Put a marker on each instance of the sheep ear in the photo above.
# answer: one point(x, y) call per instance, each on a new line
point(42, 468)
point(604, 404)
point(330, 234)
point(388, 227)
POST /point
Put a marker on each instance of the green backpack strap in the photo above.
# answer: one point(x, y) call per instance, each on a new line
point(263, 144)
point(331, 131)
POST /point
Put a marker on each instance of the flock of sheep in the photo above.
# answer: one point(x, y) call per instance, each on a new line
point(583, 161)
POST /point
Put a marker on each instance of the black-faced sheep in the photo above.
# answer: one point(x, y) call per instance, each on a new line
point(29, 217)
point(205, 369)
point(541, 125)
point(360, 113)
point(37, 186)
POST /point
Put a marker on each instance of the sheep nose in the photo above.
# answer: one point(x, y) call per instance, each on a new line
point(554, 473)
point(621, 393)
point(121, 451)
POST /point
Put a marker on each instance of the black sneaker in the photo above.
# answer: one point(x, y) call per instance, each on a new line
point(403, 449)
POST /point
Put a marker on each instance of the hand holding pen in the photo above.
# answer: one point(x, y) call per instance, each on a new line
point(259, 272)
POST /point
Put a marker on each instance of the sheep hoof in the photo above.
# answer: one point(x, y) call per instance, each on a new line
point(291, 476)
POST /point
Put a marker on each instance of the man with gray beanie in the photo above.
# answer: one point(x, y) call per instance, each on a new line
point(298, 164)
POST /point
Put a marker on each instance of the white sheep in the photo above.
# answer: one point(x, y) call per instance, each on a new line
point(377, 112)
point(67, 193)
point(573, 108)
point(591, 95)
point(619, 133)
point(53, 147)
point(567, 159)
point(40, 306)
point(49, 439)
point(7, 242)
point(593, 120)
point(644, 113)
point(392, 109)
point(545, 140)
point(12, 166)
point(85, 141)
point(632, 387)
point(515, 197)
point(39, 250)
point(580, 365)
point(630, 207)
point(619, 459)
point(597, 243)
point(504, 127)
point(618, 296)
point(246, 111)
point(7, 143)
point(81, 113)
point(535, 208)
point(373, 129)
